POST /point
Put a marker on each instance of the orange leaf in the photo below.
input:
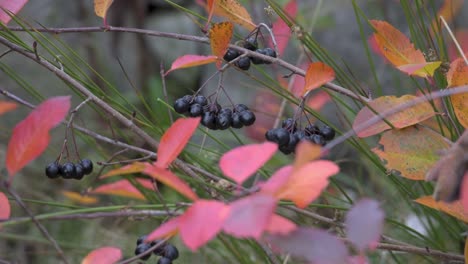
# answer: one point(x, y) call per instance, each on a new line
point(123, 188)
point(411, 151)
point(306, 152)
point(101, 7)
point(454, 209)
point(104, 255)
point(277, 180)
point(135, 167)
point(5, 209)
point(461, 36)
point(306, 183)
point(317, 75)
point(13, 6)
point(6, 106)
point(405, 118)
point(78, 198)
point(449, 10)
point(170, 179)
point(233, 11)
point(165, 230)
point(398, 49)
point(31, 136)
point(220, 36)
point(317, 101)
point(174, 140)
point(279, 225)
point(189, 60)
point(458, 76)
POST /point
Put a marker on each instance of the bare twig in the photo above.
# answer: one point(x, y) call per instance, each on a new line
point(460, 50)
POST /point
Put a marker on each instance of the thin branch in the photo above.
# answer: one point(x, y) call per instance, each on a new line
point(460, 50)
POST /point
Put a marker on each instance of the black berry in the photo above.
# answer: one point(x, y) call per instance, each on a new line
point(209, 120)
point(251, 43)
point(327, 132)
point(243, 63)
point(196, 110)
point(188, 98)
point(181, 106)
point(247, 117)
point(87, 166)
point(223, 121)
point(289, 124)
point(278, 135)
point(300, 135)
point(317, 139)
point(311, 129)
point(53, 170)
point(164, 260)
point(236, 122)
point(79, 172)
point(68, 170)
point(226, 111)
point(256, 60)
point(159, 250)
point(142, 248)
point(231, 54)
point(240, 107)
point(141, 239)
point(269, 52)
point(291, 146)
point(170, 252)
point(200, 99)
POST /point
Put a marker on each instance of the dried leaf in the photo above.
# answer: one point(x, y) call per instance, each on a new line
point(104, 255)
point(411, 151)
point(135, 167)
point(171, 180)
point(454, 209)
point(80, 199)
point(190, 60)
point(220, 37)
point(6, 106)
point(318, 74)
point(233, 11)
point(404, 118)
point(101, 7)
point(458, 76)
point(12, 6)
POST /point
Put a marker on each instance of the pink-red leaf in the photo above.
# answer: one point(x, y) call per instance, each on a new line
point(188, 61)
point(170, 179)
point(364, 223)
point(6, 106)
point(123, 188)
point(250, 216)
point(135, 167)
point(281, 30)
point(220, 36)
point(31, 136)
point(5, 209)
point(165, 230)
point(14, 6)
point(104, 255)
point(241, 162)
point(174, 140)
point(318, 74)
point(279, 225)
point(202, 222)
point(277, 180)
point(464, 192)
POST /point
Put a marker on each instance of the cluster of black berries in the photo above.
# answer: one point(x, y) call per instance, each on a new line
point(213, 116)
point(166, 251)
point(244, 62)
point(289, 135)
point(69, 170)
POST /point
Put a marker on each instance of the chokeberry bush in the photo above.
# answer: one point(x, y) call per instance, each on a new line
point(233, 131)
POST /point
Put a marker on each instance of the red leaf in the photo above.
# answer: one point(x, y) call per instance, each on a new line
point(174, 140)
point(6, 106)
point(281, 30)
point(12, 6)
point(165, 230)
point(364, 224)
point(31, 136)
point(104, 255)
point(314, 245)
point(464, 192)
point(317, 75)
point(220, 36)
point(201, 222)
point(135, 167)
point(317, 101)
point(277, 180)
point(123, 188)
point(188, 61)
point(241, 162)
point(250, 216)
point(307, 183)
point(170, 179)
point(5, 209)
point(280, 226)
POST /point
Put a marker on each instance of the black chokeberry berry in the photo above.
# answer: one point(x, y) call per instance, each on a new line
point(269, 52)
point(317, 139)
point(187, 98)
point(181, 106)
point(256, 60)
point(87, 165)
point(247, 117)
point(68, 170)
point(231, 54)
point(240, 107)
point(300, 135)
point(170, 252)
point(243, 63)
point(289, 124)
point(327, 132)
point(141, 239)
point(223, 121)
point(236, 122)
point(209, 120)
point(278, 135)
point(250, 43)
point(226, 111)
point(196, 110)
point(53, 170)
point(142, 248)
point(159, 250)
point(164, 260)
point(291, 146)
point(79, 172)
point(200, 99)
point(311, 129)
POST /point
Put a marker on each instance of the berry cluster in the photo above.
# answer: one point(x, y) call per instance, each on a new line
point(166, 251)
point(289, 135)
point(244, 62)
point(213, 116)
point(69, 170)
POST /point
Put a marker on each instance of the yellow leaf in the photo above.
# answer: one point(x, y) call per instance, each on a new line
point(220, 36)
point(454, 209)
point(234, 11)
point(458, 76)
point(78, 198)
point(101, 7)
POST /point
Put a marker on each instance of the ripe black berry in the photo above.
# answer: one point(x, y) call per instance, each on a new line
point(291, 146)
point(200, 99)
point(300, 135)
point(256, 60)
point(53, 170)
point(159, 250)
point(87, 166)
point(269, 52)
point(236, 122)
point(317, 139)
point(196, 110)
point(251, 43)
point(223, 121)
point(247, 117)
point(68, 170)
point(240, 107)
point(209, 120)
point(289, 124)
point(188, 98)
point(327, 132)
point(142, 248)
point(181, 106)
point(278, 135)
point(141, 239)
point(243, 63)
point(226, 111)
point(164, 260)
point(79, 172)
point(311, 129)
point(170, 252)
point(231, 54)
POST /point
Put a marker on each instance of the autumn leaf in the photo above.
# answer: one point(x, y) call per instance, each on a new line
point(104, 255)
point(174, 140)
point(404, 118)
point(101, 7)
point(464, 192)
point(364, 224)
point(398, 49)
point(317, 74)
point(448, 11)
point(233, 11)
point(31, 136)
point(411, 151)
point(165, 230)
point(461, 36)
point(306, 152)
point(281, 30)
point(123, 188)
point(190, 60)
point(80, 199)
point(6, 107)
point(454, 209)
point(135, 167)
point(12, 6)
point(250, 216)
point(269, 103)
point(5, 209)
point(277, 180)
point(171, 180)
point(250, 157)
point(458, 76)
point(318, 100)
point(220, 37)
point(279, 225)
